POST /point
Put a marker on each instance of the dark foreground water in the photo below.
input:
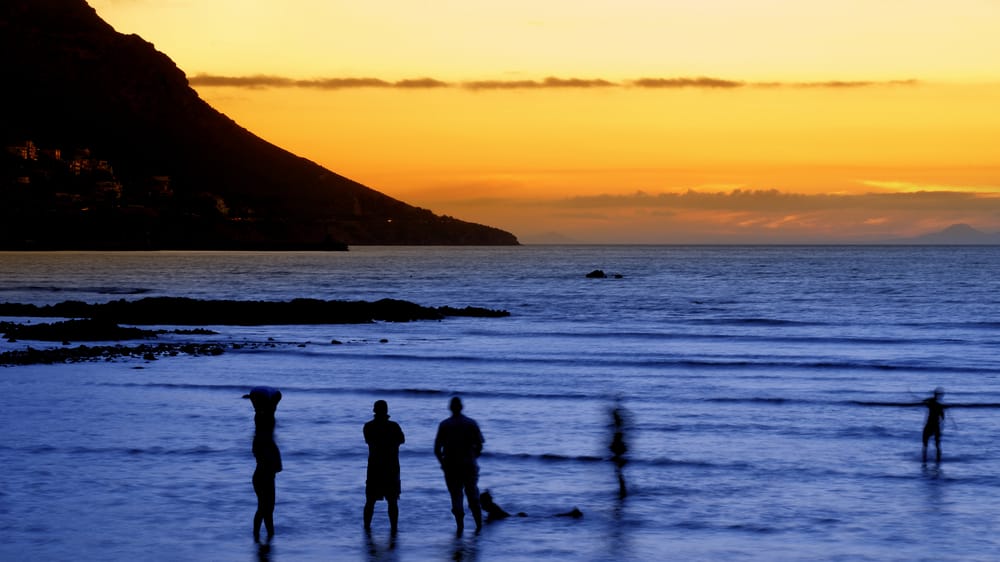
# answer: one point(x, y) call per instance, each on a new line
point(747, 373)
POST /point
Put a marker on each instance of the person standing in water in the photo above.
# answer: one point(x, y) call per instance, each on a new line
point(265, 401)
point(935, 418)
point(458, 444)
point(618, 447)
point(383, 438)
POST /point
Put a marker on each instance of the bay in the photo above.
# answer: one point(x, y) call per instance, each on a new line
point(748, 376)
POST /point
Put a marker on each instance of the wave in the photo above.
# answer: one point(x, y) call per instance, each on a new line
point(546, 457)
point(368, 391)
point(604, 358)
point(195, 451)
point(719, 337)
point(98, 289)
point(985, 405)
point(973, 325)
point(562, 395)
point(750, 322)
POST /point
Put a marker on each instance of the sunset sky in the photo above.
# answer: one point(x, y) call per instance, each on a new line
point(617, 121)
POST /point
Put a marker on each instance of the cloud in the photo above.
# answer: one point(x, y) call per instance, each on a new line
point(909, 187)
point(773, 202)
point(838, 84)
point(550, 82)
point(701, 82)
point(260, 81)
point(421, 83)
point(735, 216)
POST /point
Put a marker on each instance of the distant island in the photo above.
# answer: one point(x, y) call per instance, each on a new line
point(104, 145)
point(956, 234)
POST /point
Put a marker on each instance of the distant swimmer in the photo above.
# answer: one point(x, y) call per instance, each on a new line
point(383, 438)
point(935, 418)
point(457, 446)
point(265, 401)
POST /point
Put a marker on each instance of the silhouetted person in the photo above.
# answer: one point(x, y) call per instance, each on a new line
point(935, 416)
point(458, 444)
point(384, 438)
point(265, 401)
point(618, 447)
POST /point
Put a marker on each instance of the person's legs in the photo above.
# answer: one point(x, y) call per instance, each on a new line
point(369, 512)
point(269, 508)
point(263, 485)
point(926, 438)
point(454, 482)
point(937, 443)
point(393, 513)
point(472, 493)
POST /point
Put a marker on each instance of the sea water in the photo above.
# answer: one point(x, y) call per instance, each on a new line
point(751, 379)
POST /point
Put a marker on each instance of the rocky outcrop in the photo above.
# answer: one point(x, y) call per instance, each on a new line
point(182, 311)
point(72, 82)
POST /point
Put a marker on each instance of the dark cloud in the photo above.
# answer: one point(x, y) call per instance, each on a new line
point(264, 81)
point(839, 84)
point(700, 82)
point(772, 200)
point(256, 81)
point(342, 83)
point(550, 82)
point(421, 83)
point(259, 81)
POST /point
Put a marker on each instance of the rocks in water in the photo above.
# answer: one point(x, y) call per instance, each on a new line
point(182, 311)
point(100, 322)
point(574, 513)
point(91, 329)
point(148, 352)
point(600, 274)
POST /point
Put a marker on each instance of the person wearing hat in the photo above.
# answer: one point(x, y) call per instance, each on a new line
point(265, 401)
point(383, 438)
point(457, 445)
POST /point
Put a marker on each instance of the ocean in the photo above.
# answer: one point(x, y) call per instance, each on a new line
point(757, 383)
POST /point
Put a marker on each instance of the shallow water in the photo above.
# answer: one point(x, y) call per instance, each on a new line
point(744, 371)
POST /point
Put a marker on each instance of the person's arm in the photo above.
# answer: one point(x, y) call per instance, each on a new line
point(439, 446)
point(479, 442)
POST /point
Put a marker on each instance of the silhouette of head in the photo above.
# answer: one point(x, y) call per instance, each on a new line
point(455, 405)
point(938, 392)
point(264, 399)
point(381, 408)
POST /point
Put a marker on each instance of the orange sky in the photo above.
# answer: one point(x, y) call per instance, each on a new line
point(626, 121)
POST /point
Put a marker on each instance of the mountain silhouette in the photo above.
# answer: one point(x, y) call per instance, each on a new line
point(956, 234)
point(107, 146)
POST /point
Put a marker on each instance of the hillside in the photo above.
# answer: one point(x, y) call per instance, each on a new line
point(107, 146)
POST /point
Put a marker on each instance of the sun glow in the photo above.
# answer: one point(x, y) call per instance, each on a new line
point(515, 115)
